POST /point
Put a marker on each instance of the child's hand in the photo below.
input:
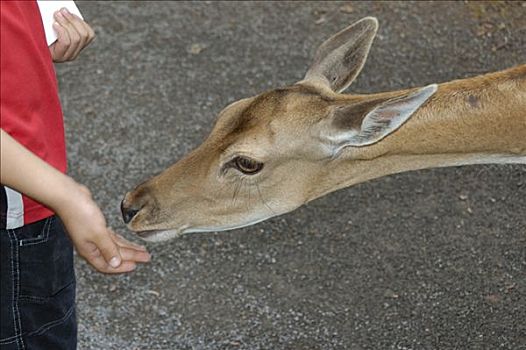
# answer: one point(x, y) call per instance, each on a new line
point(99, 245)
point(84, 221)
point(73, 34)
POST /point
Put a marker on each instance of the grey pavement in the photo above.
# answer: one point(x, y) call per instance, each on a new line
point(432, 259)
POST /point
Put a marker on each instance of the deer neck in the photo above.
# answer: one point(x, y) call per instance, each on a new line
point(478, 120)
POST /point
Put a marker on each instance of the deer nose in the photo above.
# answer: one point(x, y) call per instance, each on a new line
point(128, 212)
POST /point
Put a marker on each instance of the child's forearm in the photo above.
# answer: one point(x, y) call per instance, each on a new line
point(24, 172)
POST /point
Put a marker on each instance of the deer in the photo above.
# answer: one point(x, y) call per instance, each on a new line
point(270, 154)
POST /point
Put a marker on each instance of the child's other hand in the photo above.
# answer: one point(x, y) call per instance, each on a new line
point(73, 34)
point(99, 245)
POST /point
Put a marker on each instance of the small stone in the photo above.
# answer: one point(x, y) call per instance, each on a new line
point(348, 8)
point(197, 48)
point(320, 20)
point(112, 288)
point(153, 292)
point(492, 298)
point(463, 197)
point(390, 294)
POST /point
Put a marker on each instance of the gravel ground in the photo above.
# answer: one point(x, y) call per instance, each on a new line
point(432, 259)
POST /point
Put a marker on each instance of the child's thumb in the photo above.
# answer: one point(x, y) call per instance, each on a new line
point(109, 250)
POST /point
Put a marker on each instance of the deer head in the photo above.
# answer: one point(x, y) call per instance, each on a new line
point(269, 154)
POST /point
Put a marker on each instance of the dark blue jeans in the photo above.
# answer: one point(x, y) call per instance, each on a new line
point(37, 288)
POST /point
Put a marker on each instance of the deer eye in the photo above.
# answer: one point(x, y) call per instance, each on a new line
point(246, 165)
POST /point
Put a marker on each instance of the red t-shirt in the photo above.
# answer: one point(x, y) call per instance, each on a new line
point(30, 106)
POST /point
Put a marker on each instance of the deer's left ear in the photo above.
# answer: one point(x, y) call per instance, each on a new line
point(366, 123)
point(339, 60)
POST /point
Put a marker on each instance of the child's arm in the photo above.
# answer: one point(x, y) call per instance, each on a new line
point(24, 172)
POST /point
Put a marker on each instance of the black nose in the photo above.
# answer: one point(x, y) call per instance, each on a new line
point(128, 213)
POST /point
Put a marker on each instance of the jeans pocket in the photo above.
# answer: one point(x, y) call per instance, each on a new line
point(45, 262)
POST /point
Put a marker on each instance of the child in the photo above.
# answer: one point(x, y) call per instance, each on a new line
point(43, 212)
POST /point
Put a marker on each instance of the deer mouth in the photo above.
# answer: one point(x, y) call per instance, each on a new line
point(146, 234)
point(158, 235)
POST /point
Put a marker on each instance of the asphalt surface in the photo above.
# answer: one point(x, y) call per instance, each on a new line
point(432, 259)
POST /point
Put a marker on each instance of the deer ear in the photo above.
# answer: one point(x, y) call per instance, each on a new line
point(364, 124)
point(340, 59)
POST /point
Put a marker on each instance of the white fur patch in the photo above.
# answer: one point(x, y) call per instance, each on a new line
point(488, 159)
point(164, 235)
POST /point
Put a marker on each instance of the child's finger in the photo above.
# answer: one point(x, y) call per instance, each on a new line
point(108, 249)
point(100, 265)
point(91, 32)
point(134, 255)
point(74, 37)
point(126, 266)
point(123, 242)
point(61, 45)
point(76, 23)
point(86, 28)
